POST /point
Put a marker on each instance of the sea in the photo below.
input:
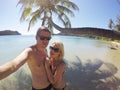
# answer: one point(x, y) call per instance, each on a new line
point(11, 46)
point(76, 47)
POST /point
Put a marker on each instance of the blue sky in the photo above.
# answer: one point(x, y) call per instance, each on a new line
point(92, 13)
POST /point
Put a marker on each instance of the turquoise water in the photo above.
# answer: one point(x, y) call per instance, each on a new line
point(11, 46)
point(82, 47)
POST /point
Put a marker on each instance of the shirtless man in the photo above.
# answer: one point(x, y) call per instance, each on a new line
point(35, 57)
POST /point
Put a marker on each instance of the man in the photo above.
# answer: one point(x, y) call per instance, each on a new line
point(35, 57)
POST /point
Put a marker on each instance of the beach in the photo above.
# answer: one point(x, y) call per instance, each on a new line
point(78, 52)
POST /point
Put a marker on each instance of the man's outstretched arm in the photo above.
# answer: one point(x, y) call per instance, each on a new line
point(10, 67)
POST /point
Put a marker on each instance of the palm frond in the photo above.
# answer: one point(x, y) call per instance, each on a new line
point(38, 9)
point(69, 4)
point(25, 14)
point(33, 20)
point(65, 10)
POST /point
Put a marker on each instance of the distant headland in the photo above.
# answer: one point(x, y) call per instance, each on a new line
point(9, 32)
point(92, 32)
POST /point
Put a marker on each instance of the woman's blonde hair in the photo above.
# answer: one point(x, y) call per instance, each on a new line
point(59, 45)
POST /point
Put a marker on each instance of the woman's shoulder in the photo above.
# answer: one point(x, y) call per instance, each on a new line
point(62, 64)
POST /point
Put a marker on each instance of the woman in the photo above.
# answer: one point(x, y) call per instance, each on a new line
point(55, 66)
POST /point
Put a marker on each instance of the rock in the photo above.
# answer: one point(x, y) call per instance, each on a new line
point(114, 45)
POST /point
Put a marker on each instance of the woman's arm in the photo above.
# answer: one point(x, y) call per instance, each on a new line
point(59, 72)
point(12, 66)
point(49, 73)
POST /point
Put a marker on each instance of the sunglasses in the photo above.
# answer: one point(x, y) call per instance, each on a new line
point(44, 38)
point(54, 49)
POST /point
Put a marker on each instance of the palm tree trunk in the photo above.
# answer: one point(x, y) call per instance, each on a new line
point(55, 25)
point(88, 31)
point(62, 30)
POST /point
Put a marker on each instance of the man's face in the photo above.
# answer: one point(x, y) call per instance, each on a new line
point(43, 39)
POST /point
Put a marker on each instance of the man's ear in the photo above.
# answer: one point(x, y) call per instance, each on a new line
point(36, 37)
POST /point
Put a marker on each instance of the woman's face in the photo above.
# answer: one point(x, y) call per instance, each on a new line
point(54, 51)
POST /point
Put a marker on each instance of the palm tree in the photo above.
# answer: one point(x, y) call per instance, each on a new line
point(34, 10)
point(110, 25)
point(117, 26)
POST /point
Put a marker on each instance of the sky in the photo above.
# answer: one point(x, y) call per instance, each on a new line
point(92, 13)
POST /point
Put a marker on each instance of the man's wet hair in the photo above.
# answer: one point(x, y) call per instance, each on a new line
point(43, 28)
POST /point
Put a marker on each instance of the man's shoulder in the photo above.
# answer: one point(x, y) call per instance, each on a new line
point(28, 50)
